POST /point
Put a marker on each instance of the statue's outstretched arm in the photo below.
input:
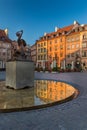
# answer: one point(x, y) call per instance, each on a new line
point(19, 34)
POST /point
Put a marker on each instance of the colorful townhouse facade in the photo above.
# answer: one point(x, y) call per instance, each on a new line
point(42, 57)
point(33, 50)
point(5, 48)
point(60, 48)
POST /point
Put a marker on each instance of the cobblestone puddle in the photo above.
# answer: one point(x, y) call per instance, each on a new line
point(43, 93)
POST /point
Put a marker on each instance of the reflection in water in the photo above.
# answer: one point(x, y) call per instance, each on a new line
point(43, 92)
point(51, 91)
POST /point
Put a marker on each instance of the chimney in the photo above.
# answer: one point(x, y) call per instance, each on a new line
point(45, 34)
point(56, 29)
point(75, 22)
point(6, 31)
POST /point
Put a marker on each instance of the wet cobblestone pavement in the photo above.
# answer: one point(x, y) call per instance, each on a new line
point(71, 115)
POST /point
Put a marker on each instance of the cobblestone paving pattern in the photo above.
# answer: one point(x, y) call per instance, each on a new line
point(68, 116)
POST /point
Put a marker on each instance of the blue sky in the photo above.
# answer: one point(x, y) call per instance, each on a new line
point(35, 17)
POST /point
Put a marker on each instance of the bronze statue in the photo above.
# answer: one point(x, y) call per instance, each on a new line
point(20, 53)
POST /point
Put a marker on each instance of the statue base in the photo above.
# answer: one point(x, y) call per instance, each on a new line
point(19, 74)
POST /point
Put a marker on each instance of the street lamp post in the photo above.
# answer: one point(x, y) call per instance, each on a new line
point(78, 63)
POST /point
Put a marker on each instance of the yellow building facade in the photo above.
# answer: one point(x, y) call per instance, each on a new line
point(41, 52)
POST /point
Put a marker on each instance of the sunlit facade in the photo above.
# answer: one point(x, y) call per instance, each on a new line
point(33, 53)
point(62, 46)
point(42, 52)
point(5, 48)
point(83, 35)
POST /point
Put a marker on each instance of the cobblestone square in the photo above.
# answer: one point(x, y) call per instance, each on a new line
point(68, 116)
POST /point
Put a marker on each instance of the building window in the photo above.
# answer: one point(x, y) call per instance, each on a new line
point(50, 96)
point(44, 49)
point(50, 42)
point(55, 48)
point(4, 45)
point(68, 47)
point(80, 28)
point(48, 37)
point(77, 53)
point(61, 47)
point(85, 36)
point(4, 53)
point(84, 53)
point(38, 57)
point(54, 35)
point(61, 54)
point(73, 39)
point(8, 54)
point(2, 38)
point(50, 49)
point(44, 43)
point(68, 39)
point(38, 50)
point(41, 44)
point(7, 45)
point(41, 50)
point(73, 46)
point(68, 56)
point(55, 55)
point(77, 29)
point(50, 89)
point(38, 45)
point(77, 45)
point(61, 92)
point(41, 57)
point(60, 39)
point(72, 55)
point(44, 57)
point(77, 38)
point(55, 41)
point(84, 45)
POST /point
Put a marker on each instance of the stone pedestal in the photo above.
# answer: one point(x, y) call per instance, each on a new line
point(19, 74)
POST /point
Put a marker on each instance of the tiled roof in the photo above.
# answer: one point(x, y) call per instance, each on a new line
point(61, 30)
point(67, 28)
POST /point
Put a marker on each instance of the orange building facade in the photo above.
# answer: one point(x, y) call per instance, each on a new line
point(60, 48)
